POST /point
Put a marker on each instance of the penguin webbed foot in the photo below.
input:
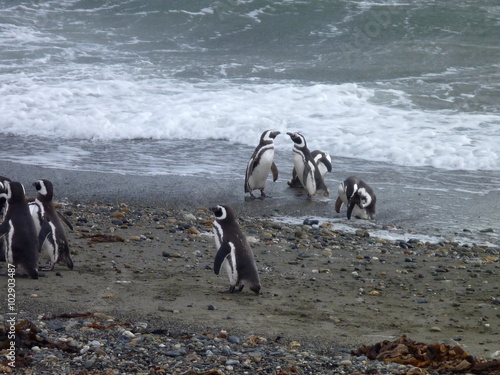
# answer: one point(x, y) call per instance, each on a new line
point(262, 194)
point(233, 289)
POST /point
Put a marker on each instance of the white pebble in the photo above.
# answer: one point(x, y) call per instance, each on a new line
point(85, 349)
point(128, 334)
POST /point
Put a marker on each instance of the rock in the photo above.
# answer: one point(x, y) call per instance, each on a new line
point(310, 222)
point(193, 230)
point(435, 329)
point(362, 233)
point(189, 217)
point(234, 339)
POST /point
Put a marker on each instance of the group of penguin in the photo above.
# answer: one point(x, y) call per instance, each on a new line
point(308, 172)
point(30, 227)
point(234, 253)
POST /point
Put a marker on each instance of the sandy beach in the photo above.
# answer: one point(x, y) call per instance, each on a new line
point(325, 289)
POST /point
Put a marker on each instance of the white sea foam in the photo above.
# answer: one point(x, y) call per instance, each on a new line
point(346, 120)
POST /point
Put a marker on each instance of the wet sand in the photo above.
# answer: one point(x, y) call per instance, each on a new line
point(321, 286)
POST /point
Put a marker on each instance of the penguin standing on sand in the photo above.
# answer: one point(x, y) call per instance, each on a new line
point(306, 167)
point(323, 161)
point(233, 252)
point(18, 230)
point(261, 163)
point(358, 197)
point(49, 227)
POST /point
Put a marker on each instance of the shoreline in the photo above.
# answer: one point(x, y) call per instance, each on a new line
point(401, 208)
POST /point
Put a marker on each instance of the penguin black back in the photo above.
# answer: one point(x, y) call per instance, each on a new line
point(233, 251)
point(306, 167)
point(51, 234)
point(18, 230)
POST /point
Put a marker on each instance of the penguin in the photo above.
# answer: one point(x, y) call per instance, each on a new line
point(49, 227)
point(358, 197)
point(261, 163)
point(323, 161)
point(18, 230)
point(306, 168)
point(233, 252)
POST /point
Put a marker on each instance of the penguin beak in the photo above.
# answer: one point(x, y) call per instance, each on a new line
point(213, 209)
point(349, 209)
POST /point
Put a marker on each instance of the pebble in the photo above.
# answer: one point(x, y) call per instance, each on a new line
point(234, 340)
point(307, 250)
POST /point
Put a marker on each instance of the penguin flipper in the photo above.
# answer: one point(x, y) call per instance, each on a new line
point(327, 163)
point(222, 253)
point(274, 169)
point(45, 231)
point(66, 221)
point(338, 204)
point(250, 168)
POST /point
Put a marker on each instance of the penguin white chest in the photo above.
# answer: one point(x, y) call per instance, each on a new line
point(258, 177)
point(310, 182)
point(229, 265)
point(9, 255)
point(299, 164)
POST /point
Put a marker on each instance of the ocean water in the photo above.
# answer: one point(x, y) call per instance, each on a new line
point(186, 88)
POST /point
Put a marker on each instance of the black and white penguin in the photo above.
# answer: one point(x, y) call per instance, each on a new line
point(53, 241)
point(233, 252)
point(323, 161)
point(358, 197)
point(261, 163)
point(18, 230)
point(305, 166)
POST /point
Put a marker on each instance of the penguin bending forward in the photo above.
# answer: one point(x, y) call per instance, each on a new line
point(261, 163)
point(233, 252)
point(323, 161)
point(18, 230)
point(306, 168)
point(358, 197)
point(51, 235)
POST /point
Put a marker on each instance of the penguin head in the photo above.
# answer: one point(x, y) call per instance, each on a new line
point(44, 189)
point(14, 191)
point(298, 139)
point(222, 213)
point(362, 199)
point(269, 135)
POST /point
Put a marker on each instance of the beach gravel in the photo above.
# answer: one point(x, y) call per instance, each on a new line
point(143, 298)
